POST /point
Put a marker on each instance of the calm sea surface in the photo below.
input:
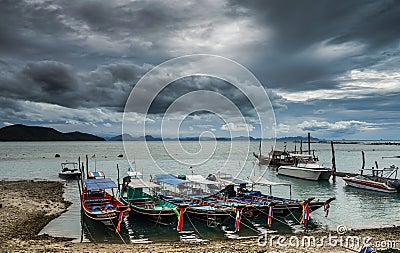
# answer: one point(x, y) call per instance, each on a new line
point(352, 208)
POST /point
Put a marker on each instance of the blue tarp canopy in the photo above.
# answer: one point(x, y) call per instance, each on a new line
point(233, 180)
point(98, 184)
point(169, 179)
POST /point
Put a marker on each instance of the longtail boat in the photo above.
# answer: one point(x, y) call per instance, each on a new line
point(69, 170)
point(100, 205)
point(382, 180)
point(145, 204)
point(212, 211)
point(257, 203)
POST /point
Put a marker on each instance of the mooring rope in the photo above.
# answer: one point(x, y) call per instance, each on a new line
point(118, 233)
point(197, 231)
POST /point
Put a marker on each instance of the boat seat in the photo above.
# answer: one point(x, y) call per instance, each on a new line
point(94, 194)
point(110, 207)
point(96, 200)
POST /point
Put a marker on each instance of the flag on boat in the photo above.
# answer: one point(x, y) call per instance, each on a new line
point(121, 214)
point(270, 214)
point(93, 156)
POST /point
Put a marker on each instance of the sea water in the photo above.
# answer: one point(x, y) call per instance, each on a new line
point(352, 208)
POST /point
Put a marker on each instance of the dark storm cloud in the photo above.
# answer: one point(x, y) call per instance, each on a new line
point(57, 83)
point(89, 54)
point(185, 85)
point(355, 34)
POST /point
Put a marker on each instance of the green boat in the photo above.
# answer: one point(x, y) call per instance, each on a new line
point(145, 204)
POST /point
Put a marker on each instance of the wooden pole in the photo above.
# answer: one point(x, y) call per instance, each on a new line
point(363, 162)
point(81, 169)
point(309, 145)
point(119, 186)
point(87, 164)
point(333, 163)
point(301, 146)
point(83, 172)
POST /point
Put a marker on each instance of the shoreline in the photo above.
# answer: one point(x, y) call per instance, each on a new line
point(27, 206)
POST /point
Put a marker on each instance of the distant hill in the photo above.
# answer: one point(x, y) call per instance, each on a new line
point(128, 137)
point(125, 137)
point(37, 133)
point(297, 138)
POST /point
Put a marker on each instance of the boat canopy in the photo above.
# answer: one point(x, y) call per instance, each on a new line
point(139, 183)
point(201, 180)
point(232, 180)
point(67, 163)
point(134, 174)
point(301, 155)
point(94, 174)
point(169, 179)
point(263, 181)
point(99, 184)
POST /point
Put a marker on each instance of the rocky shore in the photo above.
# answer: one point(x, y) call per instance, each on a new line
point(27, 206)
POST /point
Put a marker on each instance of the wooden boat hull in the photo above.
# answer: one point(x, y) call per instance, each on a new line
point(105, 209)
point(212, 216)
point(369, 185)
point(69, 175)
point(151, 209)
point(162, 217)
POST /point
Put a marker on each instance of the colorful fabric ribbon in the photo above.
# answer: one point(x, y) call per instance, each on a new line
point(120, 215)
point(270, 216)
point(179, 211)
point(306, 213)
point(238, 218)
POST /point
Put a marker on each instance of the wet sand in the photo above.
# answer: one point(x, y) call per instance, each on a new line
point(27, 206)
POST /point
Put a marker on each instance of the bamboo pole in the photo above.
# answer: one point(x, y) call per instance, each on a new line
point(333, 163)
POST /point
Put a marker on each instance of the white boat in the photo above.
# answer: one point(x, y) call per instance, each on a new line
point(305, 167)
point(363, 182)
point(69, 170)
point(376, 182)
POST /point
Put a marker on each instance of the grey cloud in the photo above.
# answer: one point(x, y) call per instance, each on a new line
point(57, 83)
point(205, 83)
point(298, 26)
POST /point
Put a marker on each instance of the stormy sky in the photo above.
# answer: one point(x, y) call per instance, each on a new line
point(329, 67)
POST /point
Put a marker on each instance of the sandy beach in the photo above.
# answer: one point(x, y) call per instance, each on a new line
point(27, 206)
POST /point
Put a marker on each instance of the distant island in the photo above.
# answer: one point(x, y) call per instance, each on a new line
point(128, 137)
point(36, 133)
point(21, 132)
